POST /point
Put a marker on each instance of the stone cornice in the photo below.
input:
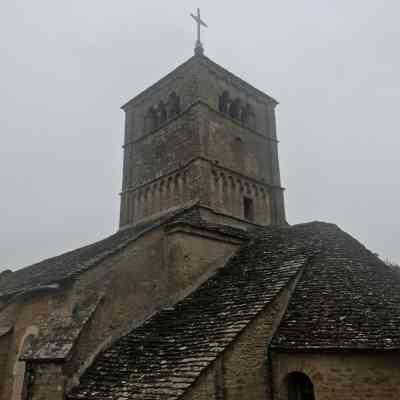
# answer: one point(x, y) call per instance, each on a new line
point(214, 165)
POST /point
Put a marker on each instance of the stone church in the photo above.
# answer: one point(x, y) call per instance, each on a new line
point(205, 291)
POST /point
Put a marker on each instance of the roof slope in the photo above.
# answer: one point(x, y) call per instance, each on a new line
point(185, 67)
point(347, 298)
point(164, 356)
point(64, 266)
point(72, 263)
point(58, 333)
point(340, 278)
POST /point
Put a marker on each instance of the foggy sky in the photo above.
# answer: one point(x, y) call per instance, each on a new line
point(67, 66)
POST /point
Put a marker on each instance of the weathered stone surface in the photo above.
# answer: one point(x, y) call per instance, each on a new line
point(347, 298)
point(112, 285)
point(193, 298)
point(197, 331)
point(351, 375)
point(208, 152)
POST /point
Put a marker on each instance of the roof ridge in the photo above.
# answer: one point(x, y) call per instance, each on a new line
point(73, 262)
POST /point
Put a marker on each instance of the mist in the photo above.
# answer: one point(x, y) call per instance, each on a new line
point(67, 67)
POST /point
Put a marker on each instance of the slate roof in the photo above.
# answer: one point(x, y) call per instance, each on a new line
point(64, 266)
point(69, 265)
point(58, 333)
point(345, 297)
point(186, 65)
point(164, 356)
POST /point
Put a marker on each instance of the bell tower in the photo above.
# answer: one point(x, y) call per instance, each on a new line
point(201, 135)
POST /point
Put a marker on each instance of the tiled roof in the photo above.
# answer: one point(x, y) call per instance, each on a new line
point(180, 69)
point(164, 356)
point(63, 266)
point(71, 264)
point(346, 297)
point(58, 333)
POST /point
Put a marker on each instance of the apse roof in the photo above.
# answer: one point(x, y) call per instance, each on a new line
point(345, 299)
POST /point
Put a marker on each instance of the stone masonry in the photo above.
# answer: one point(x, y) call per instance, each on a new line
point(217, 147)
point(205, 291)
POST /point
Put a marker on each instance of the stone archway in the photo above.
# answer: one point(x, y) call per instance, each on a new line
point(299, 387)
point(19, 381)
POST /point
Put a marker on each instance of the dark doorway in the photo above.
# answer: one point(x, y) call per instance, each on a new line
point(300, 387)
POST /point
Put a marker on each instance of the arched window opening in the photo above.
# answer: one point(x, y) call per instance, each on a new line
point(237, 109)
point(151, 120)
point(162, 112)
point(21, 374)
point(174, 105)
point(224, 102)
point(234, 110)
point(246, 112)
point(148, 121)
point(299, 387)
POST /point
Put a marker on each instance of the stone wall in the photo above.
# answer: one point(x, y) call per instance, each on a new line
point(342, 376)
point(154, 271)
point(152, 150)
point(225, 193)
point(25, 315)
point(213, 160)
point(213, 216)
point(238, 163)
point(156, 161)
point(163, 151)
point(133, 285)
point(214, 81)
point(48, 382)
point(245, 370)
point(167, 192)
point(183, 81)
point(158, 170)
point(193, 256)
point(5, 345)
point(242, 371)
point(233, 146)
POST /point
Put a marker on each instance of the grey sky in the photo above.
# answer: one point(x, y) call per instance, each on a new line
point(67, 66)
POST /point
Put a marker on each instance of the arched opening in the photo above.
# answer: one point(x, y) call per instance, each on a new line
point(299, 387)
point(21, 378)
point(174, 105)
point(224, 102)
point(246, 113)
point(162, 112)
point(151, 120)
point(148, 121)
point(234, 110)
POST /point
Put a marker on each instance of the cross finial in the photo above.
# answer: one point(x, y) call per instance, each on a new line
point(199, 47)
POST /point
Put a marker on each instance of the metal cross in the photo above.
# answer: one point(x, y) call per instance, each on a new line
point(200, 22)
